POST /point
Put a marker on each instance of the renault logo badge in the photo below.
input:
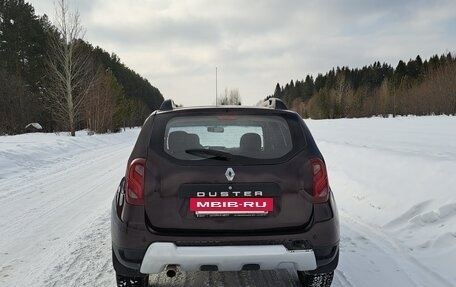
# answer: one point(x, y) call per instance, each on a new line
point(229, 173)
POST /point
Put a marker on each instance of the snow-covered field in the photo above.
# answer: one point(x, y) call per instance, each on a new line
point(394, 181)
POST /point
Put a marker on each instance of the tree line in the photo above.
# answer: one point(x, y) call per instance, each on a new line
point(50, 75)
point(415, 87)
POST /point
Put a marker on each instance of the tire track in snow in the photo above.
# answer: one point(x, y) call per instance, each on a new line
point(341, 279)
point(277, 278)
point(87, 261)
point(388, 261)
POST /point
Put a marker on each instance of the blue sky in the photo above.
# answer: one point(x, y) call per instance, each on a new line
point(177, 44)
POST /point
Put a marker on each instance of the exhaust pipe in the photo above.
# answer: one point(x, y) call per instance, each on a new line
point(171, 271)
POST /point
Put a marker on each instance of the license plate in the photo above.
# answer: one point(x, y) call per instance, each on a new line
point(222, 206)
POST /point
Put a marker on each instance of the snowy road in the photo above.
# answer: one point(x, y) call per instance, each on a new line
point(55, 219)
point(393, 182)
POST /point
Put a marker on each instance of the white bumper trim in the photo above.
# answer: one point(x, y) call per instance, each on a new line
point(226, 258)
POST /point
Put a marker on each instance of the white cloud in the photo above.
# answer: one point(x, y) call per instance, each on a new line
point(177, 44)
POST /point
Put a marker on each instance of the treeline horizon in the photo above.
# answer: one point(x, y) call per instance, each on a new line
point(116, 97)
point(415, 87)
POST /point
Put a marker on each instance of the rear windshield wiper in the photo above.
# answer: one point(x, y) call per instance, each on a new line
point(210, 153)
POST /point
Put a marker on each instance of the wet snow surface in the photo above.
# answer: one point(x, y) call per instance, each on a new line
point(394, 182)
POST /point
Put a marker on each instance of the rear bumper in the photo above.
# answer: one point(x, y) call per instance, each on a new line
point(224, 258)
point(131, 240)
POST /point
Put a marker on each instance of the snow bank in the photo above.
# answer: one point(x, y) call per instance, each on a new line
point(397, 176)
point(27, 152)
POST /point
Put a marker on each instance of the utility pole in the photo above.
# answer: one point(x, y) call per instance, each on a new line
point(216, 86)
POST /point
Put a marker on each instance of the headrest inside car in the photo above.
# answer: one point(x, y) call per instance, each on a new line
point(250, 142)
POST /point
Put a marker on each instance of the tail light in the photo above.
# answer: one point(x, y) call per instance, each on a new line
point(320, 180)
point(135, 182)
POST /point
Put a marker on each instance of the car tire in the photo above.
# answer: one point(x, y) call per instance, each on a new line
point(126, 281)
point(315, 280)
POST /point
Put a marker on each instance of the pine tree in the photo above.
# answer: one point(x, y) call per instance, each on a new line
point(22, 49)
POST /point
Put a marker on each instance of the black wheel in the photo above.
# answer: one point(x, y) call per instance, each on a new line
point(125, 281)
point(315, 280)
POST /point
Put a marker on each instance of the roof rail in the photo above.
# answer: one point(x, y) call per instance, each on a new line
point(274, 103)
point(168, 105)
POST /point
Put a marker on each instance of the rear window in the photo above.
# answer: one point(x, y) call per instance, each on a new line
point(218, 136)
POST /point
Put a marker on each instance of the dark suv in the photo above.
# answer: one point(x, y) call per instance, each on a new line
point(225, 188)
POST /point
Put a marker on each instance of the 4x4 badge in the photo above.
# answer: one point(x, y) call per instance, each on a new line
point(229, 173)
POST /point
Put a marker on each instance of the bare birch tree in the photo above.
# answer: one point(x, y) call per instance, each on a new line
point(106, 104)
point(230, 97)
point(70, 67)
